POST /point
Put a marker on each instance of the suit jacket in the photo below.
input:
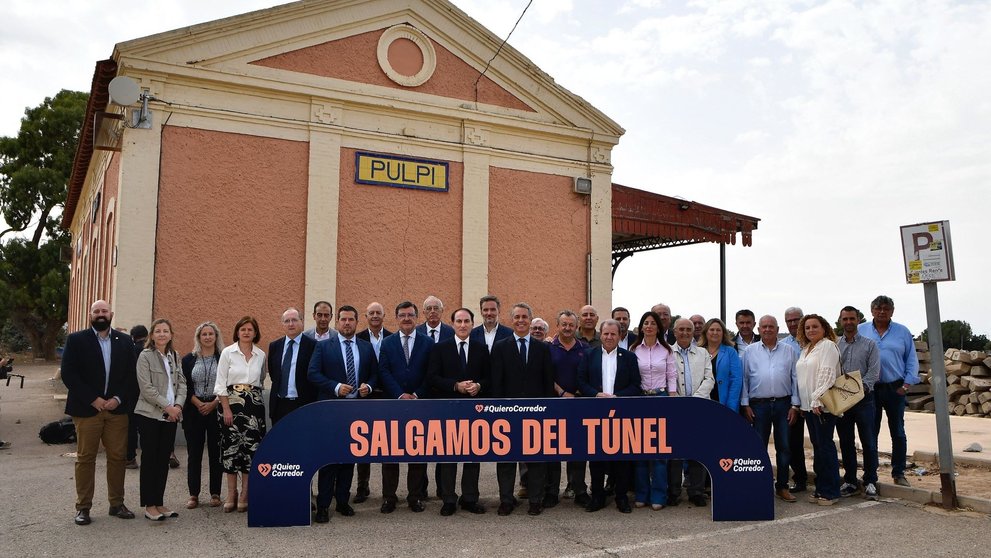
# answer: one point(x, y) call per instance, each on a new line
point(363, 334)
point(511, 377)
point(312, 333)
point(627, 373)
point(478, 334)
point(444, 369)
point(398, 376)
point(630, 339)
point(729, 376)
point(701, 365)
point(84, 375)
point(327, 367)
point(305, 390)
point(153, 384)
point(446, 331)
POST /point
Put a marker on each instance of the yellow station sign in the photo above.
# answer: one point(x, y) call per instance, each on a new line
point(400, 172)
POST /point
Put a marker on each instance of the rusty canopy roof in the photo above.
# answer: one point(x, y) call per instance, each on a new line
point(647, 221)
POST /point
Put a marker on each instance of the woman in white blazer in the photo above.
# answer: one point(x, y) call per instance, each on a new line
point(162, 392)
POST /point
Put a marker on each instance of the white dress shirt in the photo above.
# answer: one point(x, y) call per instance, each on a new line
point(609, 371)
point(234, 369)
point(291, 393)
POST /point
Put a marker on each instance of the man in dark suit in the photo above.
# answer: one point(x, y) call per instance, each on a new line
point(288, 360)
point(459, 367)
point(491, 330)
point(374, 334)
point(622, 317)
point(432, 326)
point(522, 368)
point(342, 367)
point(403, 372)
point(98, 369)
point(608, 371)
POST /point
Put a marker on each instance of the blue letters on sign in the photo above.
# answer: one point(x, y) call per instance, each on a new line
point(466, 430)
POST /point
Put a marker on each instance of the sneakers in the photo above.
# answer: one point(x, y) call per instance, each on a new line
point(849, 489)
point(870, 491)
point(902, 481)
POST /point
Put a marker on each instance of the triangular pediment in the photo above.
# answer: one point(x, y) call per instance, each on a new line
point(332, 48)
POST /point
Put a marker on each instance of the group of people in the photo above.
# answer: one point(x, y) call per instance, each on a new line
point(216, 393)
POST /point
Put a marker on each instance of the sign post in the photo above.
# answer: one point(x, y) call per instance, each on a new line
point(928, 260)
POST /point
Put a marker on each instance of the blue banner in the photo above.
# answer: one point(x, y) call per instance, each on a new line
point(483, 430)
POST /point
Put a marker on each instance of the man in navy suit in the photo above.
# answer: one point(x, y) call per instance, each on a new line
point(491, 330)
point(622, 317)
point(98, 369)
point(288, 360)
point(522, 368)
point(608, 371)
point(403, 362)
point(459, 367)
point(432, 326)
point(342, 367)
point(375, 333)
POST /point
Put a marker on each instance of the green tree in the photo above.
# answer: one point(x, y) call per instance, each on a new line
point(957, 334)
point(35, 167)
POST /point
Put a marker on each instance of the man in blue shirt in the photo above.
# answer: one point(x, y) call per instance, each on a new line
point(899, 369)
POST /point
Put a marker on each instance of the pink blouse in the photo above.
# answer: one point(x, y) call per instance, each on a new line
point(657, 367)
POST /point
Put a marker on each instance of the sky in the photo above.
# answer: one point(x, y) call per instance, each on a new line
point(833, 122)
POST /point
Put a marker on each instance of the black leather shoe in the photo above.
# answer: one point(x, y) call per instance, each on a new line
point(505, 508)
point(624, 506)
point(345, 510)
point(473, 507)
point(582, 499)
point(82, 517)
point(673, 501)
point(550, 501)
point(448, 509)
point(698, 501)
point(595, 505)
point(361, 495)
point(610, 488)
point(322, 516)
point(535, 509)
point(416, 506)
point(798, 488)
point(388, 506)
point(122, 512)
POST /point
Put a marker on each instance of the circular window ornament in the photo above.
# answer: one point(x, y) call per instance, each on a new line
point(406, 55)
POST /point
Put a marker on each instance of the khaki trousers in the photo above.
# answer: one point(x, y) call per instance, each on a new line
point(110, 429)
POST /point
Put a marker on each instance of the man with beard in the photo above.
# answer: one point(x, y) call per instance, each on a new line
point(99, 371)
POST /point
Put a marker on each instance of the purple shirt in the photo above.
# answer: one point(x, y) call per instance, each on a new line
point(566, 363)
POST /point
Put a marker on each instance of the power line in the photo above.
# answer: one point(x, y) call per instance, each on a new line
point(498, 50)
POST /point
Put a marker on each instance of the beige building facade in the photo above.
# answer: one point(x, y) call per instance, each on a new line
point(342, 151)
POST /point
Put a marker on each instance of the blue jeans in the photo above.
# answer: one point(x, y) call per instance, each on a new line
point(860, 415)
point(887, 399)
point(768, 413)
point(824, 461)
point(651, 482)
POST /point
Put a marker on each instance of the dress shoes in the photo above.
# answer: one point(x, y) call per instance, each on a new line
point(595, 504)
point(674, 501)
point(569, 494)
point(535, 509)
point(582, 499)
point(131, 464)
point(624, 506)
point(505, 508)
point(785, 495)
point(698, 501)
point(361, 495)
point(448, 509)
point(322, 515)
point(82, 517)
point(522, 493)
point(416, 506)
point(173, 462)
point(798, 488)
point(550, 501)
point(473, 507)
point(345, 510)
point(388, 506)
point(122, 512)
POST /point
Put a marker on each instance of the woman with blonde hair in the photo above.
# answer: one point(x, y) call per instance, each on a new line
point(726, 364)
point(240, 376)
point(199, 416)
point(162, 391)
point(817, 369)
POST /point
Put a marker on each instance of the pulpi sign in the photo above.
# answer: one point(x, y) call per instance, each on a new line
point(463, 430)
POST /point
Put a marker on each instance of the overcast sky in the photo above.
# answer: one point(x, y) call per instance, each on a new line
point(833, 122)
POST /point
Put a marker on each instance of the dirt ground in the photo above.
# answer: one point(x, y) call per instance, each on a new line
point(24, 411)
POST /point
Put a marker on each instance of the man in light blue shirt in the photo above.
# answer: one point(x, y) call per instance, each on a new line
point(796, 430)
point(770, 395)
point(899, 369)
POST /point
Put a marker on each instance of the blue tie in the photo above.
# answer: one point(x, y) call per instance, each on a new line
point(350, 355)
point(523, 349)
point(287, 368)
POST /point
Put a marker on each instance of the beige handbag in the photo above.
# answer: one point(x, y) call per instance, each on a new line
point(847, 391)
